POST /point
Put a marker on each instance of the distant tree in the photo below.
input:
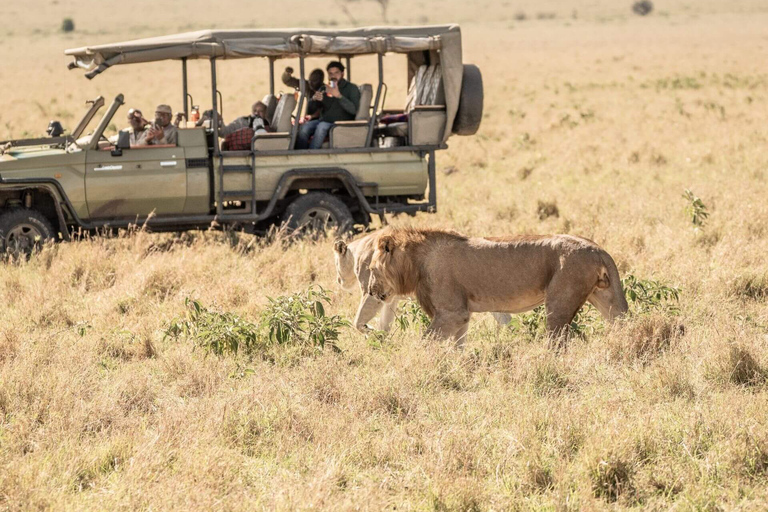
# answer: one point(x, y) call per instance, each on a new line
point(642, 7)
point(67, 25)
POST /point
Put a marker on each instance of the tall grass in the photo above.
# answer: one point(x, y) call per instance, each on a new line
point(99, 410)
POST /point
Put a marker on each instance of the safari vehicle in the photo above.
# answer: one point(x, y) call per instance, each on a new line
point(52, 185)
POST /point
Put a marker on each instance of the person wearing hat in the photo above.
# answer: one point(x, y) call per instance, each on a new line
point(162, 131)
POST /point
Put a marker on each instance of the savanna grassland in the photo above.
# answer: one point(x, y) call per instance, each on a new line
point(596, 123)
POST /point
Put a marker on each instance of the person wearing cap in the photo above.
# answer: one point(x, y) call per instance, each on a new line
point(163, 131)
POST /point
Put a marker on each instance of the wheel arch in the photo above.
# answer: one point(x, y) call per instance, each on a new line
point(47, 199)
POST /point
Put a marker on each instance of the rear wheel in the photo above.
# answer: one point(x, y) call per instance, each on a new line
point(318, 212)
point(23, 231)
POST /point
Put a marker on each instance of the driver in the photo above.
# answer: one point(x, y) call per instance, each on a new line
point(162, 131)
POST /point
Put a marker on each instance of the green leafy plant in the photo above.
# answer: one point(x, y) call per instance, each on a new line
point(219, 333)
point(300, 319)
point(409, 313)
point(645, 295)
point(695, 209)
point(297, 319)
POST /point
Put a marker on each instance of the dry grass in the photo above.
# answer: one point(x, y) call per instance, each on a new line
point(605, 116)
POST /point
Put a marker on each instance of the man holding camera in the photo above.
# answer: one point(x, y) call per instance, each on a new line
point(162, 132)
point(340, 102)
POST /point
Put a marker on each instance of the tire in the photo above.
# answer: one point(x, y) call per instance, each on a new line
point(470, 111)
point(23, 231)
point(316, 213)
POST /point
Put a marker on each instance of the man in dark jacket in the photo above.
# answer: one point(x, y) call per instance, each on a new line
point(340, 102)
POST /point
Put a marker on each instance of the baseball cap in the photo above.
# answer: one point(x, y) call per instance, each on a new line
point(164, 109)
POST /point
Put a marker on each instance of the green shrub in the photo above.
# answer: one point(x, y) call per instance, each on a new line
point(645, 295)
point(696, 209)
point(297, 319)
point(219, 333)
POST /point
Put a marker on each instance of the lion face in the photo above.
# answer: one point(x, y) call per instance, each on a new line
point(345, 266)
point(382, 283)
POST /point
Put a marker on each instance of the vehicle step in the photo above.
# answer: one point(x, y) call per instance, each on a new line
point(227, 169)
point(244, 194)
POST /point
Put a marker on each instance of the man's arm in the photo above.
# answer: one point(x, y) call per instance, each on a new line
point(350, 100)
point(240, 122)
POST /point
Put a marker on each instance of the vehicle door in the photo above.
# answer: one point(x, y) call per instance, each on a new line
point(137, 182)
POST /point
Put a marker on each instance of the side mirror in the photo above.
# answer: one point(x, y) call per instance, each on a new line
point(123, 142)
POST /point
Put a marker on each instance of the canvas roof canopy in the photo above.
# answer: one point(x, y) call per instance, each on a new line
point(445, 40)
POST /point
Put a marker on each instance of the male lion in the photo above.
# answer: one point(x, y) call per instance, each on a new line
point(453, 276)
point(352, 268)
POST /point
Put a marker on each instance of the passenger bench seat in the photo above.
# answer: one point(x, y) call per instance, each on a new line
point(425, 107)
point(352, 134)
point(280, 139)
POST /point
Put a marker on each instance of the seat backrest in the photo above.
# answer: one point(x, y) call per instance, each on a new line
point(433, 83)
point(282, 119)
point(271, 102)
point(415, 88)
point(364, 109)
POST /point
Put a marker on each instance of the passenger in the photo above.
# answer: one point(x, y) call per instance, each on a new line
point(162, 131)
point(314, 84)
point(257, 121)
point(339, 103)
point(139, 127)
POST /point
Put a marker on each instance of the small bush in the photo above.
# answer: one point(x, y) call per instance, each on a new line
point(646, 295)
point(695, 209)
point(409, 313)
point(520, 16)
point(297, 319)
point(300, 319)
point(642, 8)
point(67, 25)
point(219, 333)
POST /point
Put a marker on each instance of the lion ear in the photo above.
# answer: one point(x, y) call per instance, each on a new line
point(387, 243)
point(340, 247)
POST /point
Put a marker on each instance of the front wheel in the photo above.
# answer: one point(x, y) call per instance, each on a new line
point(23, 231)
point(318, 212)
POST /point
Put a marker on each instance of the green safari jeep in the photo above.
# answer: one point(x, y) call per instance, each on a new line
point(52, 185)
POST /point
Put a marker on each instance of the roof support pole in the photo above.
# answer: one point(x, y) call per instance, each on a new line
point(303, 90)
point(271, 76)
point(215, 113)
point(184, 87)
point(349, 68)
point(372, 123)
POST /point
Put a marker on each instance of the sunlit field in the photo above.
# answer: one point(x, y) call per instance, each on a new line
point(117, 393)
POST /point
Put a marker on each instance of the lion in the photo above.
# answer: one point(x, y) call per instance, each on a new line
point(352, 272)
point(453, 276)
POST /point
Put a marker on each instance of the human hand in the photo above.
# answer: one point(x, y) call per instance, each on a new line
point(179, 117)
point(155, 133)
point(334, 92)
point(318, 96)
